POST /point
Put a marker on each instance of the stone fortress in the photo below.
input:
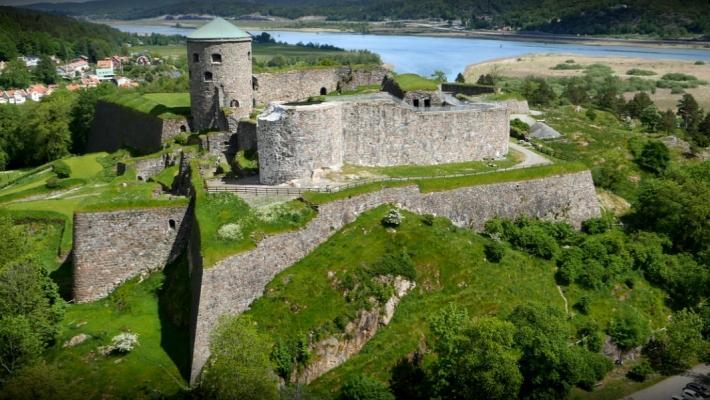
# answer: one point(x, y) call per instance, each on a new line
point(295, 141)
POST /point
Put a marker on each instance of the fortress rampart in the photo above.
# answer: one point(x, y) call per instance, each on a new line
point(294, 141)
point(114, 246)
point(301, 84)
point(230, 286)
point(115, 127)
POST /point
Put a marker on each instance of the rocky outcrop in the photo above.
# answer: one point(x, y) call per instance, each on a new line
point(541, 130)
point(335, 350)
point(230, 286)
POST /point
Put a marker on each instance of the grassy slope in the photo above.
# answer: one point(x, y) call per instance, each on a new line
point(161, 105)
point(410, 82)
point(450, 268)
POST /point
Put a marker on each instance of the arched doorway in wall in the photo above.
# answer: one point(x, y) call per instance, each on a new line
point(323, 91)
point(415, 102)
point(183, 128)
point(234, 103)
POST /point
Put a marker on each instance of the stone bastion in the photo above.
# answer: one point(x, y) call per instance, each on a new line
point(294, 141)
point(230, 286)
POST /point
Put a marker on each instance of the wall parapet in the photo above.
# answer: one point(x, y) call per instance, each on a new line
point(230, 286)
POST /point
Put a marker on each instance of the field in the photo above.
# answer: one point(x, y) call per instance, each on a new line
point(541, 65)
point(172, 51)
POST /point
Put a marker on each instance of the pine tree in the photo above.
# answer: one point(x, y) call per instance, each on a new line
point(45, 71)
point(689, 111)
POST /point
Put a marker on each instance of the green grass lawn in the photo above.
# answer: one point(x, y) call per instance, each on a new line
point(161, 105)
point(411, 82)
point(266, 51)
point(151, 370)
point(85, 167)
point(173, 50)
point(408, 171)
point(450, 267)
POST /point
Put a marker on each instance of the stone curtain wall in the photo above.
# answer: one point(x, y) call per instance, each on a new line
point(116, 127)
point(230, 286)
point(302, 84)
point(384, 133)
point(114, 246)
point(294, 141)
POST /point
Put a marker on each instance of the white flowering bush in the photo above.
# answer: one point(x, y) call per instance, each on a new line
point(230, 231)
point(124, 342)
point(393, 218)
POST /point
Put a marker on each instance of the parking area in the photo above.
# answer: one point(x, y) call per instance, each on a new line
point(673, 386)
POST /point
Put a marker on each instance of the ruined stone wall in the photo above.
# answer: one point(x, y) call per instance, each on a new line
point(517, 106)
point(230, 286)
point(115, 127)
point(294, 141)
point(114, 246)
point(148, 167)
point(352, 78)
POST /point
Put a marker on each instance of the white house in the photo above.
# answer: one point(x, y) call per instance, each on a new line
point(30, 61)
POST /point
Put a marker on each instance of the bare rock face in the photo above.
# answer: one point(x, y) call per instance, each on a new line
point(76, 340)
point(541, 130)
point(333, 351)
point(615, 354)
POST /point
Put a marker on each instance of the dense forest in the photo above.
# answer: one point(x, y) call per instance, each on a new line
point(26, 32)
point(667, 19)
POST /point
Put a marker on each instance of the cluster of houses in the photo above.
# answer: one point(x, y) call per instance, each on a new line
point(78, 71)
point(20, 96)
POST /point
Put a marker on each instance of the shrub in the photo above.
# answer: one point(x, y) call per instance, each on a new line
point(640, 371)
point(654, 157)
point(536, 241)
point(365, 388)
point(230, 232)
point(591, 114)
point(182, 138)
point(700, 62)
point(393, 218)
point(640, 72)
point(428, 219)
point(52, 183)
point(567, 66)
point(569, 265)
point(494, 251)
point(124, 342)
point(583, 305)
point(61, 169)
point(629, 328)
point(677, 76)
point(399, 264)
point(519, 129)
point(595, 226)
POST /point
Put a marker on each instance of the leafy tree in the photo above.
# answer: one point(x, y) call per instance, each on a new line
point(549, 365)
point(49, 126)
point(689, 112)
point(15, 75)
point(651, 118)
point(702, 136)
point(239, 367)
point(538, 91)
point(654, 157)
point(45, 71)
point(672, 350)
point(640, 371)
point(362, 387)
point(629, 328)
point(19, 345)
point(576, 93)
point(638, 104)
point(439, 76)
point(460, 78)
point(668, 121)
point(479, 362)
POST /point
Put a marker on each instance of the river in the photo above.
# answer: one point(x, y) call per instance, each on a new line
point(425, 54)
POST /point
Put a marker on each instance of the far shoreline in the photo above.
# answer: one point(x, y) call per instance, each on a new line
point(459, 34)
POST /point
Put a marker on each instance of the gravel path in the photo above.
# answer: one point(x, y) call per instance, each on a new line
point(531, 158)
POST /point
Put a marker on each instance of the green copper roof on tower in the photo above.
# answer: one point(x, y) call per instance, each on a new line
point(216, 29)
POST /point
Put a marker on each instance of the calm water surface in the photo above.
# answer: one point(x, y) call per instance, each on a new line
point(423, 55)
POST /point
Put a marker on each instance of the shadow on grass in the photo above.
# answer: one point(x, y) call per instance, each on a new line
point(174, 299)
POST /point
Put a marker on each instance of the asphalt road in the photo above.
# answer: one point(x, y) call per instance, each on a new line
point(664, 389)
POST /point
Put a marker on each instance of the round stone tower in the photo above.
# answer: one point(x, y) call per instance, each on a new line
point(219, 59)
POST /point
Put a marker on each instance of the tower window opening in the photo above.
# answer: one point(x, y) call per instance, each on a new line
point(183, 128)
point(208, 76)
point(195, 57)
point(323, 91)
point(216, 58)
point(427, 102)
point(234, 103)
point(249, 55)
point(415, 102)
point(172, 224)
